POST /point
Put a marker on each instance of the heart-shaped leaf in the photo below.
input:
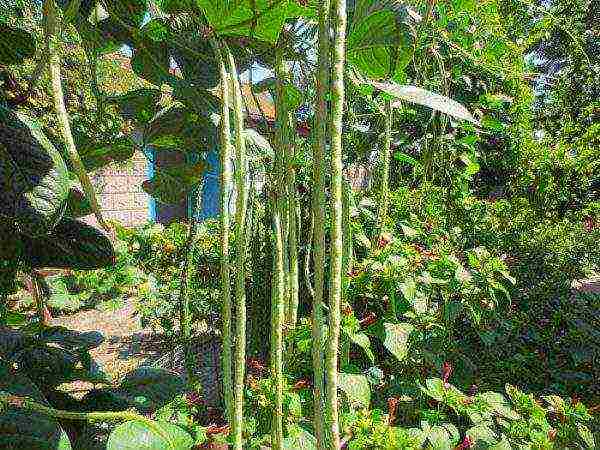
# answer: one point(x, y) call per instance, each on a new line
point(379, 40)
point(136, 435)
point(356, 387)
point(396, 337)
point(262, 19)
point(33, 176)
point(21, 429)
point(146, 389)
point(72, 244)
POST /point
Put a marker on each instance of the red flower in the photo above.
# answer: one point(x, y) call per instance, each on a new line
point(301, 384)
point(589, 224)
point(215, 429)
point(446, 372)
point(552, 434)
point(392, 408)
point(465, 444)
point(384, 240)
point(369, 319)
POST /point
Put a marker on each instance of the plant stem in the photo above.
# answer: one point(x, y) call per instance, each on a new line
point(286, 127)
point(281, 285)
point(14, 401)
point(240, 241)
point(184, 294)
point(335, 289)
point(51, 30)
point(225, 160)
point(278, 304)
point(385, 167)
point(294, 288)
point(318, 212)
point(307, 256)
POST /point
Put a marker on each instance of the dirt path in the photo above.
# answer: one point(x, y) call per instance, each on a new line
point(126, 344)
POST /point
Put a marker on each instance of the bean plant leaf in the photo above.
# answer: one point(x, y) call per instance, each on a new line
point(77, 204)
point(22, 429)
point(427, 98)
point(379, 42)
point(172, 184)
point(71, 339)
point(140, 105)
point(396, 338)
point(130, 12)
point(98, 155)
point(34, 182)
point(151, 62)
point(146, 389)
point(136, 435)
point(72, 244)
point(356, 387)
point(16, 45)
point(178, 128)
point(261, 19)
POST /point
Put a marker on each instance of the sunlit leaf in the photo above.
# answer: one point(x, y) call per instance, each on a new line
point(423, 97)
point(135, 435)
point(379, 42)
point(396, 338)
point(356, 388)
point(262, 19)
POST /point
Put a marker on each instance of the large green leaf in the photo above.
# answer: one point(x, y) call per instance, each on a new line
point(130, 12)
point(145, 389)
point(98, 155)
point(426, 98)
point(34, 182)
point(172, 184)
point(356, 388)
point(379, 42)
point(135, 435)
point(396, 337)
point(178, 128)
point(151, 62)
point(16, 45)
point(77, 204)
point(72, 244)
point(139, 105)
point(262, 19)
point(21, 429)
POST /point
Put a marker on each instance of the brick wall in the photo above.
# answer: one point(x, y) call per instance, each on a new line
point(119, 190)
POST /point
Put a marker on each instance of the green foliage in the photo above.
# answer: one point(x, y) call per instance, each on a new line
point(158, 252)
point(35, 180)
point(17, 45)
point(140, 436)
point(24, 429)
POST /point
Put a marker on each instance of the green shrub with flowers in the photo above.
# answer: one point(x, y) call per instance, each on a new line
point(159, 252)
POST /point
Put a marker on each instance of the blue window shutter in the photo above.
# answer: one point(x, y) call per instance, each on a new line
point(209, 206)
point(150, 173)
